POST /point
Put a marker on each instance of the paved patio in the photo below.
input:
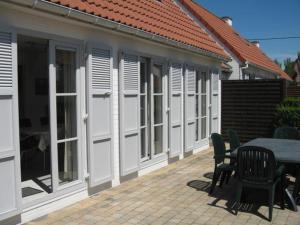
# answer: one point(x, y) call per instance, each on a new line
point(176, 194)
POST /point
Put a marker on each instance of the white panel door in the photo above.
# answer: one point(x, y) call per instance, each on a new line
point(215, 94)
point(100, 115)
point(190, 104)
point(175, 82)
point(129, 113)
point(10, 181)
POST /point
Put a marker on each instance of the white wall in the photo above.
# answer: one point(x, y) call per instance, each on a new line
point(56, 27)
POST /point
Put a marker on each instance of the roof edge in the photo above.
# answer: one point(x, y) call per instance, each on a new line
point(281, 73)
point(67, 12)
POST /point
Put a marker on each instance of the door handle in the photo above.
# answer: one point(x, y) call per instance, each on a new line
point(85, 117)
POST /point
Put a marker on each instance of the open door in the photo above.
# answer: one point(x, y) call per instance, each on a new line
point(190, 111)
point(175, 82)
point(100, 115)
point(10, 188)
point(215, 95)
point(129, 114)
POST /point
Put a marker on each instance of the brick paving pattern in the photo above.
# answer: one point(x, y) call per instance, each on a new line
point(176, 194)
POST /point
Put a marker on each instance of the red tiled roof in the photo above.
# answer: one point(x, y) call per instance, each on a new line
point(241, 48)
point(163, 18)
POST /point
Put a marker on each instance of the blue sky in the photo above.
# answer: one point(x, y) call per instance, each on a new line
point(263, 19)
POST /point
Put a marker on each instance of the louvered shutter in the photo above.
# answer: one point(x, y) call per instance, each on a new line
point(190, 103)
point(100, 115)
point(130, 114)
point(176, 95)
point(10, 187)
point(215, 95)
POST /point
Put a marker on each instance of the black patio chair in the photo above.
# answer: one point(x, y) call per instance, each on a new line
point(221, 168)
point(234, 139)
point(287, 133)
point(257, 168)
point(292, 134)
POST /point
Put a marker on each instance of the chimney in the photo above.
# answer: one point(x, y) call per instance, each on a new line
point(256, 43)
point(227, 20)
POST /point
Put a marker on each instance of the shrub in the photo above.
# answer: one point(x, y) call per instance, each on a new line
point(288, 113)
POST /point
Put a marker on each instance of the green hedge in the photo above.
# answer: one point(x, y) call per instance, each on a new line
point(288, 113)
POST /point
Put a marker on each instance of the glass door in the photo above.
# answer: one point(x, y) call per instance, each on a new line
point(201, 106)
point(64, 113)
point(157, 109)
point(151, 109)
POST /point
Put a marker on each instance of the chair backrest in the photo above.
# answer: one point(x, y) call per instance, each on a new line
point(234, 140)
point(287, 133)
point(219, 147)
point(256, 165)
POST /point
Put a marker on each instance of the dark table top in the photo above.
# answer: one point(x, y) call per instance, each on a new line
point(285, 151)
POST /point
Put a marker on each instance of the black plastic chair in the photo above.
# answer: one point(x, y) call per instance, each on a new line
point(234, 139)
point(287, 133)
point(257, 168)
point(221, 168)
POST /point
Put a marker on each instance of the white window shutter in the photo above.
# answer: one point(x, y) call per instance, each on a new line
point(176, 96)
point(129, 113)
point(10, 188)
point(190, 111)
point(100, 115)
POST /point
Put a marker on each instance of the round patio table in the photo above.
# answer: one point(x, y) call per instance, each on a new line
point(286, 152)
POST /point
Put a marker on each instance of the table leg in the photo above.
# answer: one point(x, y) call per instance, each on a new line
point(291, 200)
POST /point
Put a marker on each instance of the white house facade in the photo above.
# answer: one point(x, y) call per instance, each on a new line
point(87, 103)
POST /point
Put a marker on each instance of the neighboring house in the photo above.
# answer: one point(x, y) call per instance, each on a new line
point(297, 70)
point(93, 93)
point(248, 60)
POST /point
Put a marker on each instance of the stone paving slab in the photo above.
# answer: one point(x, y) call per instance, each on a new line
point(176, 194)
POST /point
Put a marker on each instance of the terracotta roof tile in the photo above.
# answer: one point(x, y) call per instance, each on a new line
point(242, 48)
point(162, 18)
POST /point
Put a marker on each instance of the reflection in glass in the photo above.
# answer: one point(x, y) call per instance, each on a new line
point(203, 128)
point(197, 105)
point(143, 143)
point(65, 71)
point(143, 110)
point(158, 109)
point(143, 77)
point(203, 105)
point(67, 162)
point(158, 140)
point(197, 82)
point(197, 130)
point(66, 117)
point(203, 83)
point(157, 78)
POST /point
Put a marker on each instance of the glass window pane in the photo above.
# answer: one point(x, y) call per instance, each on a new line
point(197, 82)
point(66, 117)
point(197, 106)
point(67, 162)
point(157, 78)
point(65, 71)
point(158, 140)
point(143, 143)
point(203, 128)
point(203, 105)
point(197, 130)
point(143, 77)
point(203, 83)
point(143, 110)
point(158, 109)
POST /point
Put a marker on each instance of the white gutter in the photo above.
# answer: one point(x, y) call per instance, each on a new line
point(57, 9)
point(247, 64)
